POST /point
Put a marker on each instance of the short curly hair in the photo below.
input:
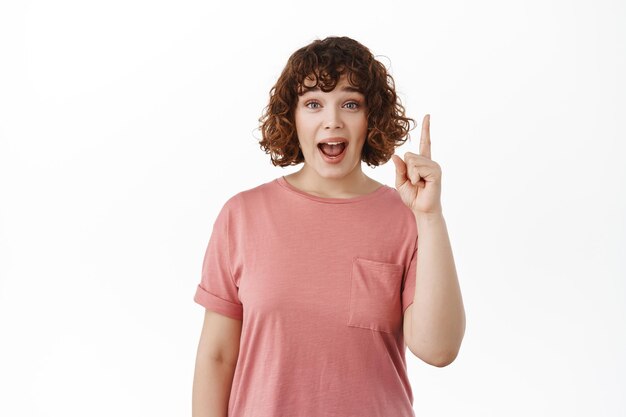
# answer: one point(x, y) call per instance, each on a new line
point(326, 60)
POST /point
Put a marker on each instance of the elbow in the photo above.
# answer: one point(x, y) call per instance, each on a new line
point(444, 360)
point(447, 356)
point(439, 360)
point(438, 354)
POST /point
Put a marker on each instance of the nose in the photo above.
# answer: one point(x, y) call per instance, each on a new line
point(333, 120)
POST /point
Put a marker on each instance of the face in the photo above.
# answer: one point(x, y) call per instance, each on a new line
point(339, 115)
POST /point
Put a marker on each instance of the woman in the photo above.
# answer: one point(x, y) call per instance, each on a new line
point(310, 281)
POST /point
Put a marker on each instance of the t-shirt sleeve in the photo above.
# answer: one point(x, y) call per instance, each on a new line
point(217, 290)
point(408, 293)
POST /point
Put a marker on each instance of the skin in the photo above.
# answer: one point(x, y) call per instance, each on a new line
point(434, 325)
point(320, 115)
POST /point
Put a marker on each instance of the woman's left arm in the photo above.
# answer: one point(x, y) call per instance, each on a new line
point(437, 313)
point(435, 322)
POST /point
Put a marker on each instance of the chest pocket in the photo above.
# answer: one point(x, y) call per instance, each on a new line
point(375, 301)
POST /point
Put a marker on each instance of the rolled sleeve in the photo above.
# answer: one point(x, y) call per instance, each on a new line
point(219, 305)
point(217, 290)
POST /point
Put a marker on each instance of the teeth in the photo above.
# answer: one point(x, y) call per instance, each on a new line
point(333, 143)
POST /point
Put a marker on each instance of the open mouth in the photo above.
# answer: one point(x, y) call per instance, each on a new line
point(332, 151)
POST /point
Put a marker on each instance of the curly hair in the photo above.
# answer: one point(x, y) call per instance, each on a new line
point(325, 61)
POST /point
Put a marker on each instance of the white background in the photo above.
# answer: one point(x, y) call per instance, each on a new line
point(125, 125)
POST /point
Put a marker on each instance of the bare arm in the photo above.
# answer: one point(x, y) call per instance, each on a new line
point(435, 322)
point(215, 365)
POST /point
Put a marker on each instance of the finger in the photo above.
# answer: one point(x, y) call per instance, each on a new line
point(401, 170)
point(414, 174)
point(425, 138)
point(415, 177)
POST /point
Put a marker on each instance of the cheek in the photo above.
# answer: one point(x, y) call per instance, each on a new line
point(360, 125)
point(304, 124)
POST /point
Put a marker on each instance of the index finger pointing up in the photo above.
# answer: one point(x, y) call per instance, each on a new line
point(425, 139)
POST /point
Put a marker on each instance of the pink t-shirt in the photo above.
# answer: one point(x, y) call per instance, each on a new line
point(321, 285)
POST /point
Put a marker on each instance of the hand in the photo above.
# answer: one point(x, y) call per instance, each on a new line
point(420, 187)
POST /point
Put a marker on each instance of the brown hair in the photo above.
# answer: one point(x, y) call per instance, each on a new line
point(326, 60)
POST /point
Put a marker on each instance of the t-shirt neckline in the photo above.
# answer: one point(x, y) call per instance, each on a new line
point(330, 200)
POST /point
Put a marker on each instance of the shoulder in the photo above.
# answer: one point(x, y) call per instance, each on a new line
point(249, 201)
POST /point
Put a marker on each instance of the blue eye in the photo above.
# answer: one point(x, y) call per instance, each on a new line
point(311, 102)
point(354, 103)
